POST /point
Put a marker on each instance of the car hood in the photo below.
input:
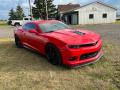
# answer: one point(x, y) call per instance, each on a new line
point(72, 36)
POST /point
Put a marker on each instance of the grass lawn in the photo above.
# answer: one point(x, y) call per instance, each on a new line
point(4, 25)
point(117, 22)
point(22, 69)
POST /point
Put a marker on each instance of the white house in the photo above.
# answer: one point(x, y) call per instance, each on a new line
point(92, 13)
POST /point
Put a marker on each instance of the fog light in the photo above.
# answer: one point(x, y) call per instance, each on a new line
point(73, 58)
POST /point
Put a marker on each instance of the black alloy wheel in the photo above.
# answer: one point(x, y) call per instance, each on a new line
point(53, 55)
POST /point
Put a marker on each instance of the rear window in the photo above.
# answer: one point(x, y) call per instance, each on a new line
point(25, 18)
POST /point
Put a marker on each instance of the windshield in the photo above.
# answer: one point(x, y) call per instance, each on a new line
point(54, 26)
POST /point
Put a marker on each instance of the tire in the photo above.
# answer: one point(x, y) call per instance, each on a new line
point(17, 25)
point(18, 42)
point(53, 55)
point(9, 22)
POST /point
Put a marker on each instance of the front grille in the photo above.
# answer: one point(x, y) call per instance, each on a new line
point(89, 55)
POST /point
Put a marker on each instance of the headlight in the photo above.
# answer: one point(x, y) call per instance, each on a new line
point(74, 46)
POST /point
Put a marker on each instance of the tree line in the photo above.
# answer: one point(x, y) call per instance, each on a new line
point(38, 11)
point(18, 14)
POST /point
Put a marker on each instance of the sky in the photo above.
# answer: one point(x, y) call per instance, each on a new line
point(6, 5)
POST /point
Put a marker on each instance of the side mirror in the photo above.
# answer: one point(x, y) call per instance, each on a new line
point(33, 31)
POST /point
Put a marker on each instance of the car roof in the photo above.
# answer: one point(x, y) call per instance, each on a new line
point(44, 21)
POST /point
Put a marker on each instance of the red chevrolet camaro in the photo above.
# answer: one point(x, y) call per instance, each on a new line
point(60, 43)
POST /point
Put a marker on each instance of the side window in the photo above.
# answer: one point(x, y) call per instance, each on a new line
point(29, 26)
point(25, 26)
point(32, 26)
point(91, 16)
point(104, 15)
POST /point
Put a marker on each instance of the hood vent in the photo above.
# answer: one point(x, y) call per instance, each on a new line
point(78, 32)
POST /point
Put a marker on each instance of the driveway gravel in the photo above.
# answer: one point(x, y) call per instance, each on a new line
point(108, 32)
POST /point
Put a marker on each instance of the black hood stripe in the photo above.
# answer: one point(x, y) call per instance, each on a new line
point(78, 32)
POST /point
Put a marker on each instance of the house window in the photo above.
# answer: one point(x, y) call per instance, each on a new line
point(91, 16)
point(104, 15)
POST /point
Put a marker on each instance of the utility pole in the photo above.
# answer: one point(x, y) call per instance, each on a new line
point(30, 7)
point(46, 10)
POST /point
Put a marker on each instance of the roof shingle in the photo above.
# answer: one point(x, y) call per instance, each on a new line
point(64, 8)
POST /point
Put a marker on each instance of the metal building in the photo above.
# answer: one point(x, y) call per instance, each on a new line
point(92, 13)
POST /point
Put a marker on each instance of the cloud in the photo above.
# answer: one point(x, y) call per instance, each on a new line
point(72, 1)
point(115, 3)
point(5, 6)
point(64, 1)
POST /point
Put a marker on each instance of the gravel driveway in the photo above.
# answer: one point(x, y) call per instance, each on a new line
point(108, 32)
point(6, 31)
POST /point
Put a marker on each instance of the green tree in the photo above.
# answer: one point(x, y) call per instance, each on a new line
point(16, 15)
point(39, 11)
point(19, 12)
point(12, 15)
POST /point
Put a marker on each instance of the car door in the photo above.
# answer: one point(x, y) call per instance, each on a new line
point(31, 38)
point(34, 40)
point(23, 31)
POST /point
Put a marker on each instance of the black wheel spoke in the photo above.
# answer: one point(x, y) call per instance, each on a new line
point(53, 55)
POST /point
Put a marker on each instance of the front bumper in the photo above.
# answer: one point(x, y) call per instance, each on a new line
point(72, 57)
point(88, 63)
